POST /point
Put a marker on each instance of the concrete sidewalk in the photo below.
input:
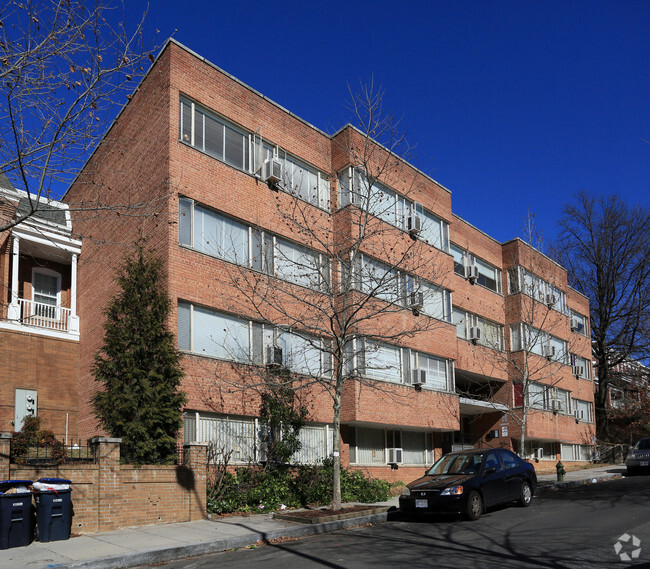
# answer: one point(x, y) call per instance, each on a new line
point(157, 543)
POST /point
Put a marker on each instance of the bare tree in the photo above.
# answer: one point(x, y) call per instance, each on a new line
point(605, 245)
point(356, 281)
point(65, 68)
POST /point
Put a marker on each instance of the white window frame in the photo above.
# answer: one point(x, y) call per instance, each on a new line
point(56, 313)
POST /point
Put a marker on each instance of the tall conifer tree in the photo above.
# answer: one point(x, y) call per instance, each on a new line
point(139, 365)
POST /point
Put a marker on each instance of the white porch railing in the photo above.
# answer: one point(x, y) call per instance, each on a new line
point(44, 315)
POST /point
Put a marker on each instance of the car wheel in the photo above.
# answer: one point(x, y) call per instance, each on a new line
point(474, 506)
point(526, 496)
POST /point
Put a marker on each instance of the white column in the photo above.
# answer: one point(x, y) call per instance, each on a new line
point(73, 321)
point(13, 310)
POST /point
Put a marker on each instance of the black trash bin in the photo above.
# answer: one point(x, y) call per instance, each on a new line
point(53, 509)
point(16, 525)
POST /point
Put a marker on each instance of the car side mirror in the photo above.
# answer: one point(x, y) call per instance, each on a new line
point(489, 470)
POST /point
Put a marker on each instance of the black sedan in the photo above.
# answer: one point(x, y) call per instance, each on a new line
point(638, 459)
point(469, 481)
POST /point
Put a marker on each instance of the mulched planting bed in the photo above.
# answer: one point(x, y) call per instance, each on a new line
point(326, 515)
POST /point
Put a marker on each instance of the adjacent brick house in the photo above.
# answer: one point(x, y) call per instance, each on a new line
point(195, 150)
point(39, 325)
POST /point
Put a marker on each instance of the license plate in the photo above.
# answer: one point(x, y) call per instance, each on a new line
point(421, 503)
point(644, 463)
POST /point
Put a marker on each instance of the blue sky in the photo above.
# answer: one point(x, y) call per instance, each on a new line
point(513, 106)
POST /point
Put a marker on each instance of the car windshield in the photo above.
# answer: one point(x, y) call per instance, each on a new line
point(643, 444)
point(457, 464)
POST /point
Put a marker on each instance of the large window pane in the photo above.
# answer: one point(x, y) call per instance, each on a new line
point(383, 362)
point(183, 327)
point(214, 135)
point(296, 264)
point(436, 372)
point(379, 280)
point(370, 446)
point(220, 336)
point(414, 447)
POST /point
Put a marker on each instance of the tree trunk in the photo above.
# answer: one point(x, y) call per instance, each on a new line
point(336, 448)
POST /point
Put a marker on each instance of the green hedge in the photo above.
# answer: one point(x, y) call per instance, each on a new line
point(255, 489)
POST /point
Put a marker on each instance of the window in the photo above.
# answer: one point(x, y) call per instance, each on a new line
point(390, 363)
point(489, 276)
point(46, 293)
point(491, 333)
point(583, 410)
point(548, 398)
point(214, 234)
point(436, 370)
point(243, 437)
point(436, 300)
point(382, 281)
point(209, 133)
point(298, 178)
point(539, 449)
point(571, 452)
point(379, 200)
point(578, 323)
point(581, 367)
point(377, 279)
point(370, 446)
point(206, 332)
point(382, 361)
point(532, 340)
point(522, 280)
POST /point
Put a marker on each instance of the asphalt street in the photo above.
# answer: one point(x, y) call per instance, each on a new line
point(571, 528)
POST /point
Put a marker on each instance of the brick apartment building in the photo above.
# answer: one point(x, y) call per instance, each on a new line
point(197, 153)
point(39, 326)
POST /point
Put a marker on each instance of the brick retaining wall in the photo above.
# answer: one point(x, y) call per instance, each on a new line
point(108, 495)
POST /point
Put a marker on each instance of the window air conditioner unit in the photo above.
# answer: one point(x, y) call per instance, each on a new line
point(578, 371)
point(550, 300)
point(414, 224)
point(556, 405)
point(474, 334)
point(416, 300)
point(272, 170)
point(273, 356)
point(394, 456)
point(549, 352)
point(538, 453)
point(574, 325)
point(418, 377)
point(472, 273)
point(579, 414)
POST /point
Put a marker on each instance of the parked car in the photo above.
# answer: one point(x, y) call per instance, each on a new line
point(469, 481)
point(638, 459)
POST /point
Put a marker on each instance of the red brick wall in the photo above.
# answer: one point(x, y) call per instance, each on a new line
point(47, 365)
point(108, 496)
point(122, 196)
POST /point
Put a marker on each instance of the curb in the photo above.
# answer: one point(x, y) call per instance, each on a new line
point(555, 486)
point(196, 549)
